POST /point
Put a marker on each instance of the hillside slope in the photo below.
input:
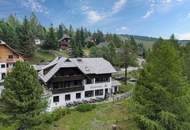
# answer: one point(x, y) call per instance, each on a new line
point(147, 41)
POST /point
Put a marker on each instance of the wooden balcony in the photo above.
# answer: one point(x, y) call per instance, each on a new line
point(9, 60)
point(67, 78)
point(68, 89)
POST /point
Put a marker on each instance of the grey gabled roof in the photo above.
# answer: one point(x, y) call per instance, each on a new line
point(86, 65)
point(65, 36)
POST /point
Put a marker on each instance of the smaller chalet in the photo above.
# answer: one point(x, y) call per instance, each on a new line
point(64, 42)
point(69, 80)
point(8, 57)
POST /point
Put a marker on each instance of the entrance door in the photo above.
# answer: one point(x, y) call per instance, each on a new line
point(106, 93)
point(115, 89)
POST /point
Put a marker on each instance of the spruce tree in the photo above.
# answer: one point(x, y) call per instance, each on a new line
point(76, 49)
point(51, 40)
point(21, 99)
point(26, 40)
point(133, 44)
point(60, 32)
point(161, 98)
point(8, 31)
point(186, 54)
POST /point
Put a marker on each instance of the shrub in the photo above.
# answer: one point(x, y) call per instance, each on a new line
point(85, 107)
point(55, 115)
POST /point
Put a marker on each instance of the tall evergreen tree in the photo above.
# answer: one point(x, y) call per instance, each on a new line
point(8, 31)
point(33, 23)
point(161, 98)
point(127, 56)
point(26, 40)
point(71, 31)
point(51, 40)
point(98, 36)
point(133, 44)
point(76, 49)
point(21, 99)
point(60, 32)
point(82, 37)
point(186, 55)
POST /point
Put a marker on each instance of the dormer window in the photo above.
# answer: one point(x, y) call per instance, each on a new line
point(10, 56)
point(79, 60)
point(68, 60)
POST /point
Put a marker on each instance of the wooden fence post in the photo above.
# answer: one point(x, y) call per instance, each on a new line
point(114, 127)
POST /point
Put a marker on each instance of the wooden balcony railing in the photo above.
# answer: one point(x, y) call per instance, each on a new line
point(68, 89)
point(67, 78)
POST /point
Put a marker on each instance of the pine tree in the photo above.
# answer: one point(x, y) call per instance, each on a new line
point(186, 53)
point(21, 99)
point(51, 40)
point(33, 23)
point(99, 36)
point(60, 32)
point(133, 44)
point(77, 49)
point(70, 31)
point(8, 31)
point(161, 98)
point(82, 37)
point(26, 40)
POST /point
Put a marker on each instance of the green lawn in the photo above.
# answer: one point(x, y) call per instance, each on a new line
point(46, 55)
point(101, 118)
point(126, 88)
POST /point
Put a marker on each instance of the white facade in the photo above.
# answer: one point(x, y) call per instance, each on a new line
point(93, 87)
point(3, 71)
point(92, 74)
point(4, 68)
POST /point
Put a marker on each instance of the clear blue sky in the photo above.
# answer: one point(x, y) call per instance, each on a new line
point(138, 17)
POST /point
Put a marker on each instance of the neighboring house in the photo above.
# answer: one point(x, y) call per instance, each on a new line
point(8, 57)
point(69, 80)
point(37, 41)
point(103, 44)
point(90, 39)
point(64, 42)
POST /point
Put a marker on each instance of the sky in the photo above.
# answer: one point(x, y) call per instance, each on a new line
point(153, 18)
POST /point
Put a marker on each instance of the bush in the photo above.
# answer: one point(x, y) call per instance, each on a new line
point(85, 107)
point(55, 115)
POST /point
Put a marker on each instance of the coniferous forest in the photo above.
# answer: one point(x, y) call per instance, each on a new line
point(160, 100)
point(21, 35)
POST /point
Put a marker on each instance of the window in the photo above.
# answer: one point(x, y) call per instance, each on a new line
point(56, 99)
point(78, 95)
point(67, 84)
point(76, 82)
point(89, 93)
point(67, 97)
point(2, 65)
point(88, 81)
point(102, 79)
point(1, 84)
point(106, 91)
point(3, 75)
point(55, 85)
point(10, 56)
point(99, 92)
point(9, 65)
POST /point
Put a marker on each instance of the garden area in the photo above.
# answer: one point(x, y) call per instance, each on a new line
point(101, 117)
